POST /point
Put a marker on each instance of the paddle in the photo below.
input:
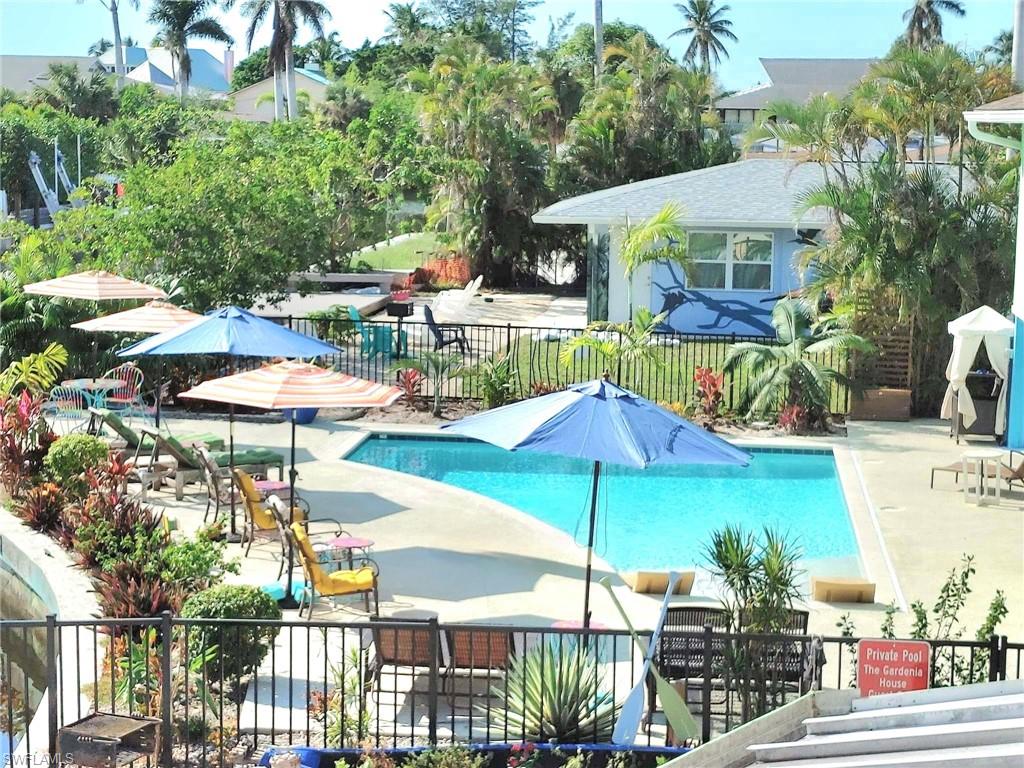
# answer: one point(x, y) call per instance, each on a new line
point(676, 713)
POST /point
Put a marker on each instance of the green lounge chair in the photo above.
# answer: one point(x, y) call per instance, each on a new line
point(104, 416)
point(188, 467)
point(376, 338)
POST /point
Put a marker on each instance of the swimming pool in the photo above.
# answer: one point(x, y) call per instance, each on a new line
point(657, 518)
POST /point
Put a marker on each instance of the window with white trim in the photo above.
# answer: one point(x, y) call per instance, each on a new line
point(730, 261)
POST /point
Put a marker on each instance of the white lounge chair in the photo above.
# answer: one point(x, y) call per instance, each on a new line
point(453, 304)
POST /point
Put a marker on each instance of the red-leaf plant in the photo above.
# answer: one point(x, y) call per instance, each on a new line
point(709, 391)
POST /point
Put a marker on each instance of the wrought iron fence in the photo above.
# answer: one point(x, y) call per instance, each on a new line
point(376, 349)
point(219, 684)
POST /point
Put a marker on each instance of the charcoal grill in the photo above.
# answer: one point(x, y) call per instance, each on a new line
point(104, 740)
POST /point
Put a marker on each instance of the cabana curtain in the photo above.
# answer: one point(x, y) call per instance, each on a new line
point(982, 326)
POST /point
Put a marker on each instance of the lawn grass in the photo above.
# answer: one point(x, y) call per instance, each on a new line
point(405, 254)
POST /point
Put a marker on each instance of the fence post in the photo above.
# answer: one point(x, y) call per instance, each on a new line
point(165, 688)
point(996, 659)
point(51, 685)
point(432, 689)
point(290, 323)
point(618, 366)
point(705, 693)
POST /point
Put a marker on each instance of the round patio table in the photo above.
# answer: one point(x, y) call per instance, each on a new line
point(334, 552)
point(280, 488)
point(95, 390)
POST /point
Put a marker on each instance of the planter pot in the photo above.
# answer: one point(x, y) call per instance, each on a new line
point(302, 415)
point(881, 404)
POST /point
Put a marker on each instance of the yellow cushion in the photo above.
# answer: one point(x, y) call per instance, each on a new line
point(359, 580)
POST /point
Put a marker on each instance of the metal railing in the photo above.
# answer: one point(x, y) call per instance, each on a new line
point(403, 683)
point(536, 354)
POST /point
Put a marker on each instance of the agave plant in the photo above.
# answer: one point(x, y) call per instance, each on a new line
point(554, 691)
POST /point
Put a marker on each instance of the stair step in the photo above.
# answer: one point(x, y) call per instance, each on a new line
point(967, 711)
point(937, 695)
point(988, 756)
point(946, 736)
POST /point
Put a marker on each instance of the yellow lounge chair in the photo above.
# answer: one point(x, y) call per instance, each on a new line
point(842, 590)
point(259, 520)
point(358, 581)
point(656, 582)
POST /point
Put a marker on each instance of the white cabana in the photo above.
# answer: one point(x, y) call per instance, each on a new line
point(983, 325)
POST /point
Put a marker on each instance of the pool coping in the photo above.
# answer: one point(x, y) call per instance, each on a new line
point(873, 555)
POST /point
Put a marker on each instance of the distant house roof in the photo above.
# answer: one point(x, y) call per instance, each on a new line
point(758, 192)
point(133, 56)
point(310, 74)
point(155, 66)
point(799, 79)
point(23, 73)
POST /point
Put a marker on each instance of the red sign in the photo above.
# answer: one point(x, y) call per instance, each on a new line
point(892, 666)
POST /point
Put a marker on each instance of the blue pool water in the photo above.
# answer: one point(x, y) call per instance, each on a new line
point(657, 518)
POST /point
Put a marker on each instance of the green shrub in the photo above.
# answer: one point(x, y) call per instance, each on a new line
point(100, 544)
point(456, 756)
point(243, 647)
point(70, 457)
point(197, 563)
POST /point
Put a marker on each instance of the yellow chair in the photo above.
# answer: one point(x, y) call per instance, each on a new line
point(259, 522)
point(358, 581)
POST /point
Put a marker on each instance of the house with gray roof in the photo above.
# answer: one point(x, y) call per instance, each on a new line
point(791, 80)
point(743, 239)
point(22, 74)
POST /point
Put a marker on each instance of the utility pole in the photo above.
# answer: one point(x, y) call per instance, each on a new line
point(1017, 58)
point(599, 38)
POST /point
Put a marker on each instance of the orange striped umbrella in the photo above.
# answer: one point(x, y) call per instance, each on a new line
point(295, 385)
point(151, 318)
point(95, 285)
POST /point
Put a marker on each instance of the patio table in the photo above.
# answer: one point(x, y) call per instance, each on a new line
point(334, 552)
point(95, 390)
point(977, 461)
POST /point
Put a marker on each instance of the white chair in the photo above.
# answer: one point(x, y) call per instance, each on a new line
point(453, 304)
point(68, 409)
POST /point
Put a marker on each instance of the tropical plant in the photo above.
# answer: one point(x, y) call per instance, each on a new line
point(707, 27)
point(179, 21)
point(410, 381)
point(553, 691)
point(625, 349)
point(1001, 48)
point(406, 22)
point(341, 709)
point(86, 95)
point(196, 564)
point(709, 393)
point(658, 238)
point(70, 457)
point(437, 368)
point(333, 324)
point(497, 381)
point(35, 373)
point(241, 650)
point(25, 438)
point(924, 20)
point(42, 507)
point(114, 6)
point(100, 47)
point(126, 592)
point(790, 371)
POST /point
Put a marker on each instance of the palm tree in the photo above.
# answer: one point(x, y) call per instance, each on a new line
point(114, 7)
point(438, 367)
point(406, 22)
point(707, 27)
point(790, 372)
point(1001, 48)
point(924, 20)
point(287, 16)
point(100, 47)
point(327, 52)
point(658, 238)
point(626, 349)
point(83, 96)
point(179, 21)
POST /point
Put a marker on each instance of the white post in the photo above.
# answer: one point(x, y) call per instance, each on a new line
point(79, 159)
point(56, 182)
point(598, 39)
point(1017, 58)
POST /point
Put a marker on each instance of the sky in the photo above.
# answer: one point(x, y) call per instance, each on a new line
point(765, 28)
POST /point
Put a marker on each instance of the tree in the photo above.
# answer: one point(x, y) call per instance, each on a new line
point(327, 52)
point(100, 47)
point(68, 90)
point(343, 102)
point(114, 6)
point(658, 238)
point(706, 27)
point(437, 367)
point(924, 20)
point(407, 22)
point(625, 349)
point(178, 22)
point(789, 373)
point(1001, 48)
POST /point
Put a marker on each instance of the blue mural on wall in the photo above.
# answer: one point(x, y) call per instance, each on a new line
point(696, 311)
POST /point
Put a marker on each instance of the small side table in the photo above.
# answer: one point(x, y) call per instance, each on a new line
point(977, 461)
point(280, 488)
point(343, 547)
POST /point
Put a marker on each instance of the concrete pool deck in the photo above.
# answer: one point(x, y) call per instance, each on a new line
point(463, 557)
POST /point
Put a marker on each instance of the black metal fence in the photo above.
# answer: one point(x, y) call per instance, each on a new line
point(219, 686)
point(540, 360)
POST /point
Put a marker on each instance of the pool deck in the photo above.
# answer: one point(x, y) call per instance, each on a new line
point(462, 557)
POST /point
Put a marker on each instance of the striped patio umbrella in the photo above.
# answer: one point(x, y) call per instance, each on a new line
point(292, 385)
point(95, 285)
point(154, 317)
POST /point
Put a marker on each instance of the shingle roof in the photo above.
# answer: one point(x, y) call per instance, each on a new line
point(23, 73)
point(755, 192)
point(799, 79)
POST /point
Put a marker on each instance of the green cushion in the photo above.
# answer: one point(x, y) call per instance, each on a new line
point(251, 456)
point(207, 438)
point(122, 430)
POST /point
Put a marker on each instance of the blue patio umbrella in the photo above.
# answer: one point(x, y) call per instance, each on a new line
point(604, 423)
point(234, 332)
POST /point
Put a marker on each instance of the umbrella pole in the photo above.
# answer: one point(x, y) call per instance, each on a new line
point(590, 544)
point(233, 536)
point(289, 600)
point(159, 393)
